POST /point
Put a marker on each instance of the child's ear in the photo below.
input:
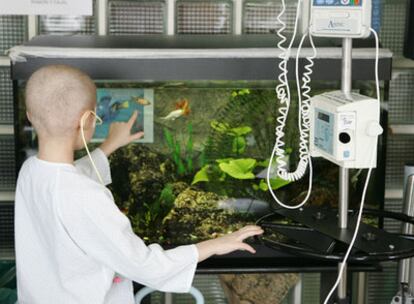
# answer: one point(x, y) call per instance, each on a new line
point(28, 116)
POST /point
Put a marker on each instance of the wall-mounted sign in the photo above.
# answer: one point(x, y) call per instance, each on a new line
point(46, 7)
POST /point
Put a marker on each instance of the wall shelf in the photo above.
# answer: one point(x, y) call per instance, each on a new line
point(403, 63)
point(7, 196)
point(393, 194)
point(406, 129)
point(6, 129)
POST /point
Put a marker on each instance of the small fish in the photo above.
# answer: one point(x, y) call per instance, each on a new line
point(104, 110)
point(182, 104)
point(182, 109)
point(141, 101)
point(120, 105)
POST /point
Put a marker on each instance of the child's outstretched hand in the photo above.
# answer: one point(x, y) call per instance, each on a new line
point(120, 135)
point(228, 243)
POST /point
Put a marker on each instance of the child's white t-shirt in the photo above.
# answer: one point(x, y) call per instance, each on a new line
point(71, 240)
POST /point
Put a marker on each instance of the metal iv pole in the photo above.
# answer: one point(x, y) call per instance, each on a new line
point(346, 87)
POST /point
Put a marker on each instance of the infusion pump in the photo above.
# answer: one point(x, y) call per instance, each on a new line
point(337, 18)
point(344, 129)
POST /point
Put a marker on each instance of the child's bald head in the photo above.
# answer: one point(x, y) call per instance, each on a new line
point(56, 98)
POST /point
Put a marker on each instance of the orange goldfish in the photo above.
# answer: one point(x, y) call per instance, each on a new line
point(181, 109)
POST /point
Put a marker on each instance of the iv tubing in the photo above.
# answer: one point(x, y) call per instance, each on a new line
point(343, 263)
point(283, 94)
point(82, 123)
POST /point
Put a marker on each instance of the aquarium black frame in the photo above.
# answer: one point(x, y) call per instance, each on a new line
point(259, 61)
point(249, 67)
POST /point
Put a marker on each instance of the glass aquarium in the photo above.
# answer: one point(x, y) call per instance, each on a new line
point(200, 170)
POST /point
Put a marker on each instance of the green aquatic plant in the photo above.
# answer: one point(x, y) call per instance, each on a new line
point(236, 168)
point(241, 92)
point(156, 211)
point(202, 175)
point(184, 163)
point(276, 183)
point(238, 134)
point(197, 216)
point(239, 169)
point(189, 148)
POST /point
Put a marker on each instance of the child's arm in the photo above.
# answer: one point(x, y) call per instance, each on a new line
point(120, 135)
point(102, 232)
point(228, 243)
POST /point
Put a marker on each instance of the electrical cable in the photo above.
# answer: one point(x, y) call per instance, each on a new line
point(364, 192)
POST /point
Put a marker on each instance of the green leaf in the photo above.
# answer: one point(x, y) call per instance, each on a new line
point(177, 149)
point(222, 177)
point(264, 163)
point(202, 160)
point(244, 92)
point(167, 195)
point(219, 126)
point(224, 160)
point(241, 130)
point(276, 183)
point(201, 175)
point(239, 168)
point(190, 128)
point(189, 149)
point(181, 167)
point(263, 185)
point(189, 165)
point(166, 200)
point(169, 139)
point(239, 145)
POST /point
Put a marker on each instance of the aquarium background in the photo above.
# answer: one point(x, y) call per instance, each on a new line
point(203, 174)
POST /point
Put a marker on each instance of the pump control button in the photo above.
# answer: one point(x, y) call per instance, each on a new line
point(344, 138)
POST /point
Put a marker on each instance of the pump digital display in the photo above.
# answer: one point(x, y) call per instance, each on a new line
point(324, 129)
point(323, 117)
point(337, 2)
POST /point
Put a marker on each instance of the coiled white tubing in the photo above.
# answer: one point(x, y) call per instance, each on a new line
point(283, 95)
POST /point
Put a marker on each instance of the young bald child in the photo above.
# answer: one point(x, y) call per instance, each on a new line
point(73, 245)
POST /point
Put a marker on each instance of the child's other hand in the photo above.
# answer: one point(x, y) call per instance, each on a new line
point(120, 135)
point(228, 243)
